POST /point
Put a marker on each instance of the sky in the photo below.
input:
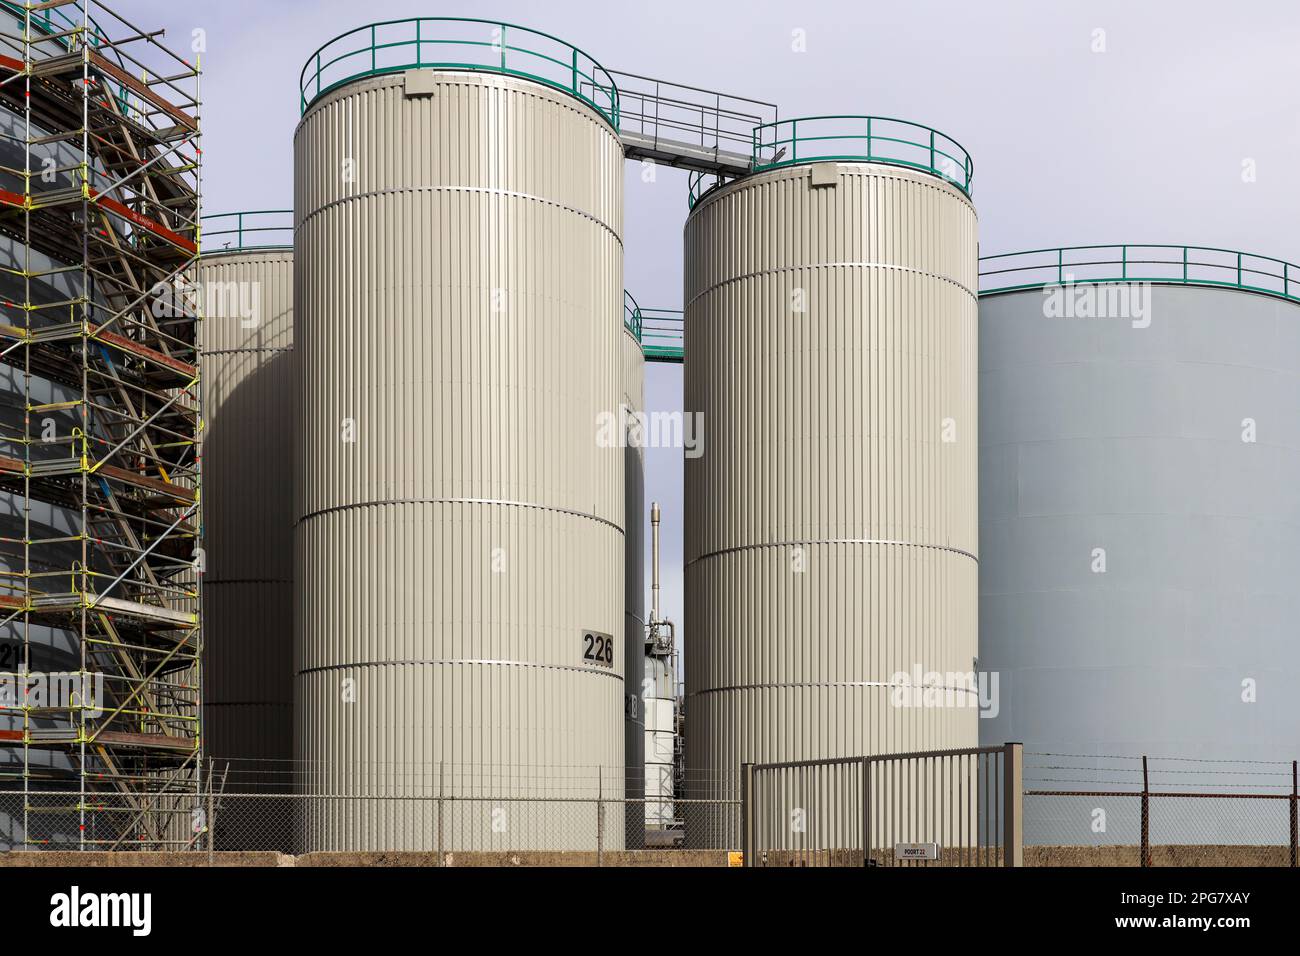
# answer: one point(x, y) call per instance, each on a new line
point(1089, 121)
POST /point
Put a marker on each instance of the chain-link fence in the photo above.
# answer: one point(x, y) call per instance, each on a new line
point(1077, 811)
point(1091, 810)
point(47, 819)
point(298, 808)
point(333, 823)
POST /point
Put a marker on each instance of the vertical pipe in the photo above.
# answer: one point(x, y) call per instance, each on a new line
point(654, 562)
point(84, 584)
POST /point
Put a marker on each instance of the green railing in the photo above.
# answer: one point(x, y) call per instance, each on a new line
point(662, 335)
point(246, 231)
point(1154, 263)
point(849, 139)
point(699, 183)
point(859, 139)
point(658, 330)
point(458, 43)
point(631, 315)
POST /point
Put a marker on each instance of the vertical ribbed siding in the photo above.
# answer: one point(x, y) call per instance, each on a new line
point(249, 396)
point(634, 612)
point(459, 296)
point(824, 444)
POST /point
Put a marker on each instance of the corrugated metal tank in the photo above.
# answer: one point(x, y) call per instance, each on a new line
point(634, 614)
point(831, 528)
point(460, 527)
point(248, 493)
point(249, 396)
point(1139, 556)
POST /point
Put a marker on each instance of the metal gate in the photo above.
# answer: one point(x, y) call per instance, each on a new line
point(929, 808)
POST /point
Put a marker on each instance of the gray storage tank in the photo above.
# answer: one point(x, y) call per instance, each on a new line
point(1139, 460)
point(831, 530)
point(246, 281)
point(460, 541)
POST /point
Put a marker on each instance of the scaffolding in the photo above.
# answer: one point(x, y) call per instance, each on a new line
point(100, 563)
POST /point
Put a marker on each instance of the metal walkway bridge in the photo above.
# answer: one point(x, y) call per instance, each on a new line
point(690, 128)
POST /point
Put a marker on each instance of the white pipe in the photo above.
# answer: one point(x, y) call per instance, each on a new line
point(654, 563)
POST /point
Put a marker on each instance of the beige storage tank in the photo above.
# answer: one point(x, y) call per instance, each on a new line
point(460, 542)
point(246, 280)
point(831, 521)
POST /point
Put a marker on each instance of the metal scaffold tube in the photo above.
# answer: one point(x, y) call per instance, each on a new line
point(100, 564)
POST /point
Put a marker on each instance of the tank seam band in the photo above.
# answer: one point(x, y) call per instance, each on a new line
point(210, 581)
point(206, 352)
point(791, 544)
point(837, 683)
point(831, 265)
point(514, 194)
point(604, 672)
point(458, 501)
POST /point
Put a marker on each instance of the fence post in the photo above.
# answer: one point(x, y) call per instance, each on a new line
point(1146, 815)
point(441, 785)
point(747, 814)
point(600, 817)
point(1013, 804)
point(866, 812)
point(1295, 822)
point(212, 818)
